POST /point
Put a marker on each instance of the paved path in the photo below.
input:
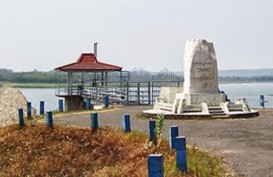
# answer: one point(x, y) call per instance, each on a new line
point(246, 144)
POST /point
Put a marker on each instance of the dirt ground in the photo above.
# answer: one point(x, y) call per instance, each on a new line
point(246, 144)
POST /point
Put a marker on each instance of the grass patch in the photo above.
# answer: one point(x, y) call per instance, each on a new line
point(36, 150)
point(57, 113)
point(34, 85)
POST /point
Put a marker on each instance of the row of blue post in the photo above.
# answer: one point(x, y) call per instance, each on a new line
point(88, 102)
point(61, 105)
point(29, 107)
point(155, 161)
point(42, 107)
point(126, 123)
point(49, 118)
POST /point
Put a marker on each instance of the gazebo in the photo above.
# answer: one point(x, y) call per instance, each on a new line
point(77, 81)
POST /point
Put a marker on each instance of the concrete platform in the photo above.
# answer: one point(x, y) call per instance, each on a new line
point(199, 116)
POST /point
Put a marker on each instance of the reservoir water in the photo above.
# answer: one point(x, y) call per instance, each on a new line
point(35, 95)
point(251, 91)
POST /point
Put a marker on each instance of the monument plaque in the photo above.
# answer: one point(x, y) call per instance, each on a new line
point(203, 71)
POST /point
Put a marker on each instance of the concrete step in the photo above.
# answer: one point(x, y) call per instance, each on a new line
point(216, 111)
point(220, 116)
point(192, 110)
point(214, 108)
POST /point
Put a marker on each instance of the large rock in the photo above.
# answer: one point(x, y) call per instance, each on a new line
point(11, 99)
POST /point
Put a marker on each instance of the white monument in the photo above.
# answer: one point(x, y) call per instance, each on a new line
point(200, 95)
point(201, 74)
point(200, 67)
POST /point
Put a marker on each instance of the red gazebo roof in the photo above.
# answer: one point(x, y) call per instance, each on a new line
point(88, 62)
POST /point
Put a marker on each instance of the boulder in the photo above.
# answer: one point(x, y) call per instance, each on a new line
point(11, 99)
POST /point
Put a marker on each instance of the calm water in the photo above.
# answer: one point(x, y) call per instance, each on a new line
point(35, 95)
point(251, 91)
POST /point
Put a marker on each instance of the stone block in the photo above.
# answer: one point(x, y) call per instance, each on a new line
point(200, 67)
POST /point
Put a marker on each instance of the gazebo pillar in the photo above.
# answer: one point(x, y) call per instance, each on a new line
point(102, 78)
point(106, 77)
point(70, 83)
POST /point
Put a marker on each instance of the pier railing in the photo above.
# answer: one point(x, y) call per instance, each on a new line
point(125, 92)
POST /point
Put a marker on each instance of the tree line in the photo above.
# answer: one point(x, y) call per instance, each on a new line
point(236, 79)
point(32, 77)
point(35, 76)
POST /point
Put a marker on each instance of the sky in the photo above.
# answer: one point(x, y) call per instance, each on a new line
point(148, 34)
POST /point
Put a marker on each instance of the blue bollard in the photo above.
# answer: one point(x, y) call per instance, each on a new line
point(262, 101)
point(42, 107)
point(28, 110)
point(94, 121)
point(173, 133)
point(49, 119)
point(155, 165)
point(151, 130)
point(88, 104)
point(181, 155)
point(106, 101)
point(21, 117)
point(126, 125)
point(61, 105)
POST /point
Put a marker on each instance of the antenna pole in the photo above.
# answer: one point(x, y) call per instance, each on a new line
point(96, 49)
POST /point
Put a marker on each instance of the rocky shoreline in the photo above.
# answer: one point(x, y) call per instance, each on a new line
point(11, 99)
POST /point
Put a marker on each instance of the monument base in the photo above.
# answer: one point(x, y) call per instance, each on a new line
point(199, 116)
point(198, 106)
point(209, 99)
